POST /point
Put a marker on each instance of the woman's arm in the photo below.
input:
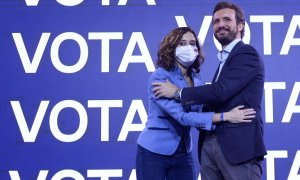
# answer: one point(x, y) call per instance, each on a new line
point(173, 107)
point(202, 120)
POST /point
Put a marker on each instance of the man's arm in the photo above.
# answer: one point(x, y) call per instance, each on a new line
point(243, 67)
point(202, 120)
point(174, 108)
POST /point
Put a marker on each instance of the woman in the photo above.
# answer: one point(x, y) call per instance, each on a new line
point(164, 146)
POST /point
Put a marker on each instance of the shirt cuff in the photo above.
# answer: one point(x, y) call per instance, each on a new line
point(180, 92)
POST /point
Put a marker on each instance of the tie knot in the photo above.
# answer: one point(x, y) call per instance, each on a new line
point(221, 55)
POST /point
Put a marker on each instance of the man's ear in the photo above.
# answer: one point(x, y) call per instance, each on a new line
point(241, 26)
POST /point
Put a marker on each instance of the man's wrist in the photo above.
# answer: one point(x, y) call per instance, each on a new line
point(221, 116)
point(177, 93)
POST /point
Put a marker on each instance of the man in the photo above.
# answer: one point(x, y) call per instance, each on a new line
point(232, 151)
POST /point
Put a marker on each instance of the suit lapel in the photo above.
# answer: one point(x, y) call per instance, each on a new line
point(216, 73)
point(227, 60)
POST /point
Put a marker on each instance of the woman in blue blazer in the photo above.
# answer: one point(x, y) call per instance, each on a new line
point(164, 146)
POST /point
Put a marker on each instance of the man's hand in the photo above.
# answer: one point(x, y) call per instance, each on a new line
point(164, 89)
point(240, 115)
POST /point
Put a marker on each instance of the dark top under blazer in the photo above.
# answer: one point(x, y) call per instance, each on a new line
point(241, 82)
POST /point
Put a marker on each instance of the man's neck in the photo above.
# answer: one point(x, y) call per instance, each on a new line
point(224, 46)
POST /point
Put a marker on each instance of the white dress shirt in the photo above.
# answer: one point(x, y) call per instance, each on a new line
point(223, 54)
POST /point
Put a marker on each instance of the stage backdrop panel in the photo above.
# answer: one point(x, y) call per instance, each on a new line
point(73, 83)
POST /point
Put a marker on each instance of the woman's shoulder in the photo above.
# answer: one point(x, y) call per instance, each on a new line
point(196, 74)
point(160, 70)
point(160, 73)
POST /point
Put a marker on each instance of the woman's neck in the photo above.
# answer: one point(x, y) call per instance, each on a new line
point(183, 69)
point(185, 75)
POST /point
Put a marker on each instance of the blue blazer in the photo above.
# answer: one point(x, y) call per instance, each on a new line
point(241, 82)
point(167, 122)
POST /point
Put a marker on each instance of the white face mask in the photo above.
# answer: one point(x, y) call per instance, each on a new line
point(186, 55)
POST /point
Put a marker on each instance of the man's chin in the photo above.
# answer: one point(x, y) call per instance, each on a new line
point(221, 36)
point(223, 41)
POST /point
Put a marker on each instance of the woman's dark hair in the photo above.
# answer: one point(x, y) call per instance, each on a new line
point(239, 13)
point(166, 53)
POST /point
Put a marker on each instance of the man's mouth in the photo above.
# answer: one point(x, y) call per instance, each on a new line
point(222, 31)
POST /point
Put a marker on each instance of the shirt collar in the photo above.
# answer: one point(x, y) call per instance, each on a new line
point(230, 46)
point(223, 54)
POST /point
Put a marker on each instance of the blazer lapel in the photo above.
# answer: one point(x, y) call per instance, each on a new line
point(233, 51)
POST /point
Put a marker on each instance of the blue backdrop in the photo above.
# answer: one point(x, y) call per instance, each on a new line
point(73, 83)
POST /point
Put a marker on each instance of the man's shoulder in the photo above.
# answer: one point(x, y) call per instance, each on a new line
point(244, 48)
point(242, 45)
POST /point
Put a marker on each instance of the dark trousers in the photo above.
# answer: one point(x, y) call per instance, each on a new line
point(152, 166)
point(215, 167)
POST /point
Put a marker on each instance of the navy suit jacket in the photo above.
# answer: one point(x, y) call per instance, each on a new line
point(241, 82)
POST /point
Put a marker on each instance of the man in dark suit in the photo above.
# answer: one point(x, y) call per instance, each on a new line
point(231, 151)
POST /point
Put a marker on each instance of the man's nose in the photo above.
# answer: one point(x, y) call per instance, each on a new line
point(222, 23)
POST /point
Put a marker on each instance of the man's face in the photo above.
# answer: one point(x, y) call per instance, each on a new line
point(225, 27)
